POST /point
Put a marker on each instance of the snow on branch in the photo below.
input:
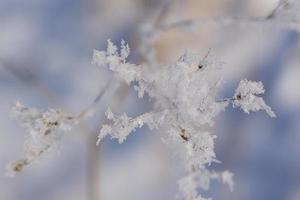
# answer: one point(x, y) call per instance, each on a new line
point(123, 125)
point(116, 61)
point(246, 97)
point(185, 104)
point(45, 131)
point(184, 95)
point(200, 179)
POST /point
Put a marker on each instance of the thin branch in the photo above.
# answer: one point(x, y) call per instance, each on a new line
point(227, 20)
point(98, 98)
point(279, 6)
point(30, 80)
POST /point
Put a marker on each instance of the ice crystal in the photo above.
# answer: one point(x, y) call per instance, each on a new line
point(246, 97)
point(184, 95)
point(227, 178)
point(123, 125)
point(185, 104)
point(116, 61)
point(200, 179)
point(45, 130)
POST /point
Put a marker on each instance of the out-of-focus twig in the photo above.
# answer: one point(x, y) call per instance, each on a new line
point(98, 98)
point(279, 6)
point(30, 80)
point(227, 20)
point(150, 31)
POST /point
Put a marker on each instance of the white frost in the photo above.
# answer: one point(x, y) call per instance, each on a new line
point(185, 104)
point(246, 97)
point(45, 131)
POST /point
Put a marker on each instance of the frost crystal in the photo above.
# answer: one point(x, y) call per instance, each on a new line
point(123, 125)
point(117, 62)
point(227, 178)
point(246, 97)
point(45, 130)
point(184, 96)
point(189, 186)
point(200, 179)
point(185, 104)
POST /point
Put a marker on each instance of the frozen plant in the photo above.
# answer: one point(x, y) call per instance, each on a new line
point(185, 106)
point(246, 97)
point(184, 95)
point(45, 130)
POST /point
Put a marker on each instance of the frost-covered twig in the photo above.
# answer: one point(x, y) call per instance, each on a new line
point(200, 179)
point(45, 130)
point(123, 125)
point(185, 102)
point(246, 97)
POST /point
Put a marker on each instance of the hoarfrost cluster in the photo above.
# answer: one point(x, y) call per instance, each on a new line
point(201, 179)
point(185, 96)
point(185, 107)
point(45, 130)
point(124, 125)
point(246, 97)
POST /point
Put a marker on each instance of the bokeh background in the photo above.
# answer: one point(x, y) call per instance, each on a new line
point(45, 61)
